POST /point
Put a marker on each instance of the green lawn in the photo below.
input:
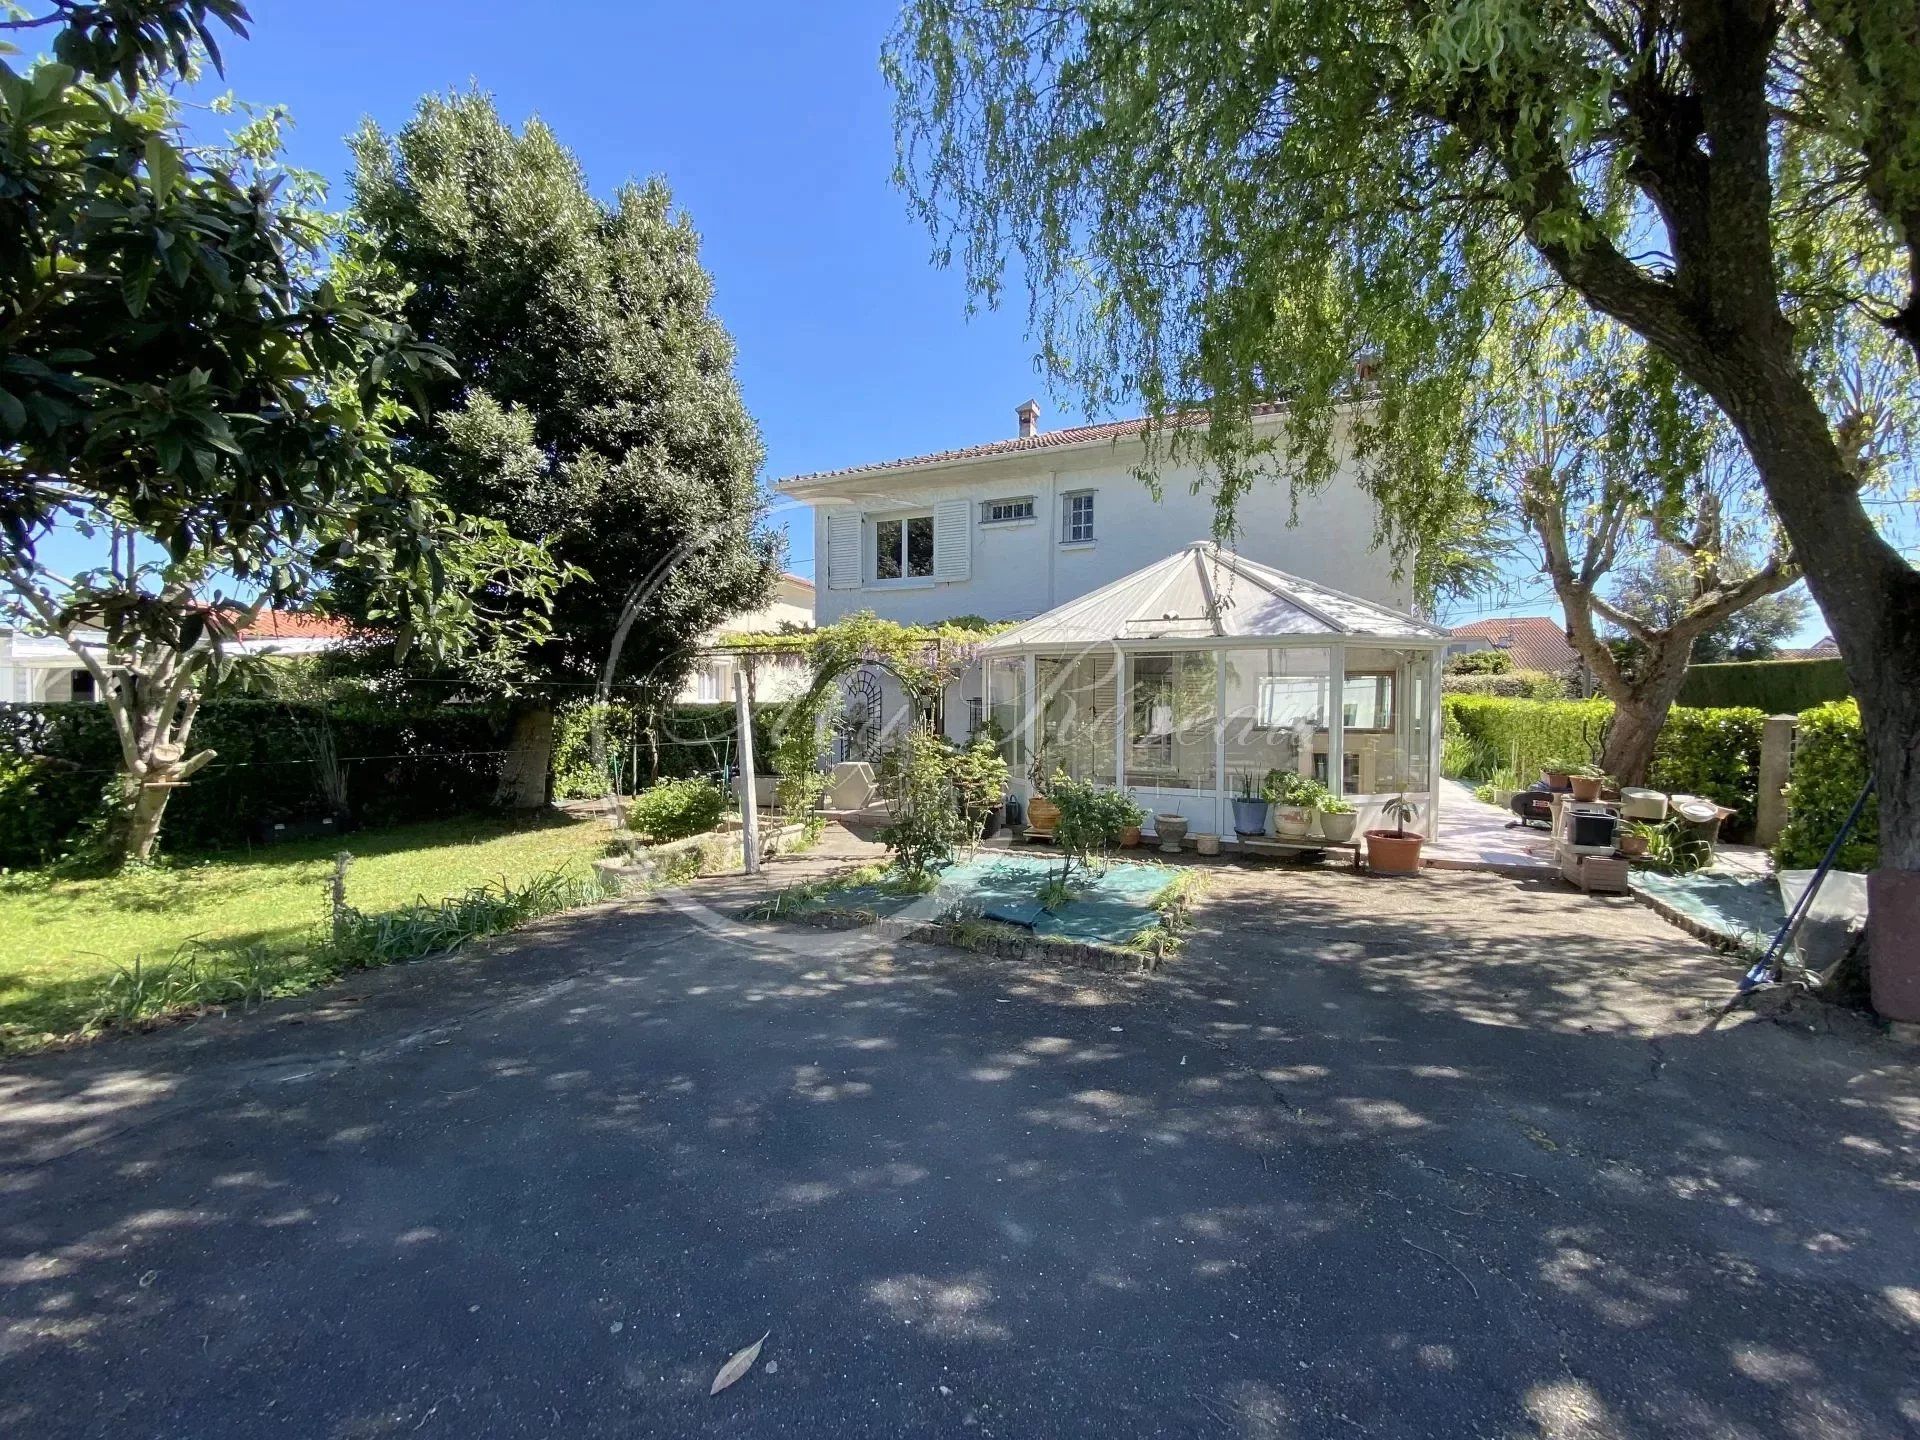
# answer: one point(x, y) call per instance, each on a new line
point(62, 939)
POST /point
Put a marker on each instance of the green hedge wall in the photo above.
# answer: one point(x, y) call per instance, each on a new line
point(1779, 687)
point(1715, 753)
point(1507, 684)
point(401, 764)
point(1829, 767)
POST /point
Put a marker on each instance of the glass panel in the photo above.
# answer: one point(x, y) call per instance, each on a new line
point(1388, 739)
point(1009, 709)
point(1170, 706)
point(1276, 711)
point(1078, 698)
point(920, 545)
point(886, 550)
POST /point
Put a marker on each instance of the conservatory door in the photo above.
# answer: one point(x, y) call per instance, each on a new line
point(1170, 736)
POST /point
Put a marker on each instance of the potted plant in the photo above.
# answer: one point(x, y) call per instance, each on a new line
point(1337, 819)
point(1558, 772)
point(1395, 852)
point(1587, 781)
point(1293, 796)
point(1131, 816)
point(1250, 806)
point(979, 787)
point(1171, 830)
point(1636, 836)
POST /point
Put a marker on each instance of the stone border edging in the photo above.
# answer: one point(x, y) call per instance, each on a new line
point(986, 937)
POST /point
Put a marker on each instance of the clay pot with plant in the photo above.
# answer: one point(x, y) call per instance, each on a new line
point(1558, 773)
point(1294, 796)
point(1396, 851)
point(1587, 781)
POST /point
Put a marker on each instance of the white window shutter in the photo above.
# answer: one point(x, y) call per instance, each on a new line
point(953, 540)
point(843, 550)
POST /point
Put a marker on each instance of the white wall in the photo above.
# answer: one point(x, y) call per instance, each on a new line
point(1019, 570)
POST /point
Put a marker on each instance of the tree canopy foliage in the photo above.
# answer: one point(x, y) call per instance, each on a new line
point(182, 380)
point(596, 407)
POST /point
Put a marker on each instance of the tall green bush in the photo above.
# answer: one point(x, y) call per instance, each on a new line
point(1499, 729)
point(1715, 753)
point(1829, 768)
point(1779, 687)
point(1507, 684)
point(697, 739)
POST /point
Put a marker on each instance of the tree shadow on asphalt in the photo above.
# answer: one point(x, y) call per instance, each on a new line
point(1375, 1160)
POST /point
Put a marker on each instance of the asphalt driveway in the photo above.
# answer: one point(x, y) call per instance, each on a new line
point(1365, 1163)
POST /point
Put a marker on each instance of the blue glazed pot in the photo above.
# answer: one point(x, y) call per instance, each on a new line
point(1250, 816)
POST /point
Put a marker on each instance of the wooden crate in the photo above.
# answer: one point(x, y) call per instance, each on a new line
point(1595, 874)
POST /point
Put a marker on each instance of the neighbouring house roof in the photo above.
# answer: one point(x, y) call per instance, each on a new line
point(1042, 440)
point(295, 625)
point(1536, 642)
point(1204, 592)
point(1822, 649)
point(793, 579)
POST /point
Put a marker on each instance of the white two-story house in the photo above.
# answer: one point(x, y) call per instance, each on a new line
point(1031, 527)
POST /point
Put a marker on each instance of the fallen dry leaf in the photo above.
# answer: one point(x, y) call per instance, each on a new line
point(741, 1362)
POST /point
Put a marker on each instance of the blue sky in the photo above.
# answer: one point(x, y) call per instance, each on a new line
point(772, 125)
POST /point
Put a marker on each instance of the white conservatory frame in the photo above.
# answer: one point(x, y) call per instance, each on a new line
point(1203, 600)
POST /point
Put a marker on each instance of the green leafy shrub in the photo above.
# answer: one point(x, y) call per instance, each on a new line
point(1481, 662)
point(683, 741)
point(916, 772)
point(1777, 687)
point(1290, 787)
point(675, 809)
point(1508, 685)
point(979, 782)
point(1830, 765)
point(1091, 816)
point(798, 753)
point(1715, 753)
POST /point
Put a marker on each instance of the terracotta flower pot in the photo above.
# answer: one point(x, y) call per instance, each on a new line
point(1556, 779)
point(1585, 787)
point(1042, 814)
point(1130, 837)
point(1631, 845)
point(1392, 854)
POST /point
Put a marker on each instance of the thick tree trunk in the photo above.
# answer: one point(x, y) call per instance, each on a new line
point(1640, 710)
point(526, 770)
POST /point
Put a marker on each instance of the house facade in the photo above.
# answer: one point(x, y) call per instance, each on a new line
point(773, 676)
point(1037, 527)
point(1012, 528)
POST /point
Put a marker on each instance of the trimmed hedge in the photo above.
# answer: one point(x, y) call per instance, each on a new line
point(1830, 766)
point(694, 740)
point(401, 764)
point(1715, 753)
point(1779, 687)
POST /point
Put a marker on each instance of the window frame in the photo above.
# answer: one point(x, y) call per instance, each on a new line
point(902, 555)
point(1068, 500)
point(1023, 504)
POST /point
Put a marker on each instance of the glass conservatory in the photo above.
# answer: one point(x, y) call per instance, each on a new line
point(1184, 680)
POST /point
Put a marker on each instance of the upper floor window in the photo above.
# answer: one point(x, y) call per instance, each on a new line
point(903, 547)
point(1076, 517)
point(1001, 512)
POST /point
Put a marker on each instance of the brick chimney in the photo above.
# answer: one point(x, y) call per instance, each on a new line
point(1029, 417)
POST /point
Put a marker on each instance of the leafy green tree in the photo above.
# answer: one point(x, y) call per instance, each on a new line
point(596, 407)
point(1606, 462)
point(1220, 202)
point(182, 382)
point(1665, 585)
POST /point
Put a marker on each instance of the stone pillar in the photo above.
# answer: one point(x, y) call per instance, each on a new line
point(1776, 751)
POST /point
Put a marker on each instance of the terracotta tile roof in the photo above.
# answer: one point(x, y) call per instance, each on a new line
point(1536, 642)
point(1044, 440)
point(1822, 649)
point(294, 625)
